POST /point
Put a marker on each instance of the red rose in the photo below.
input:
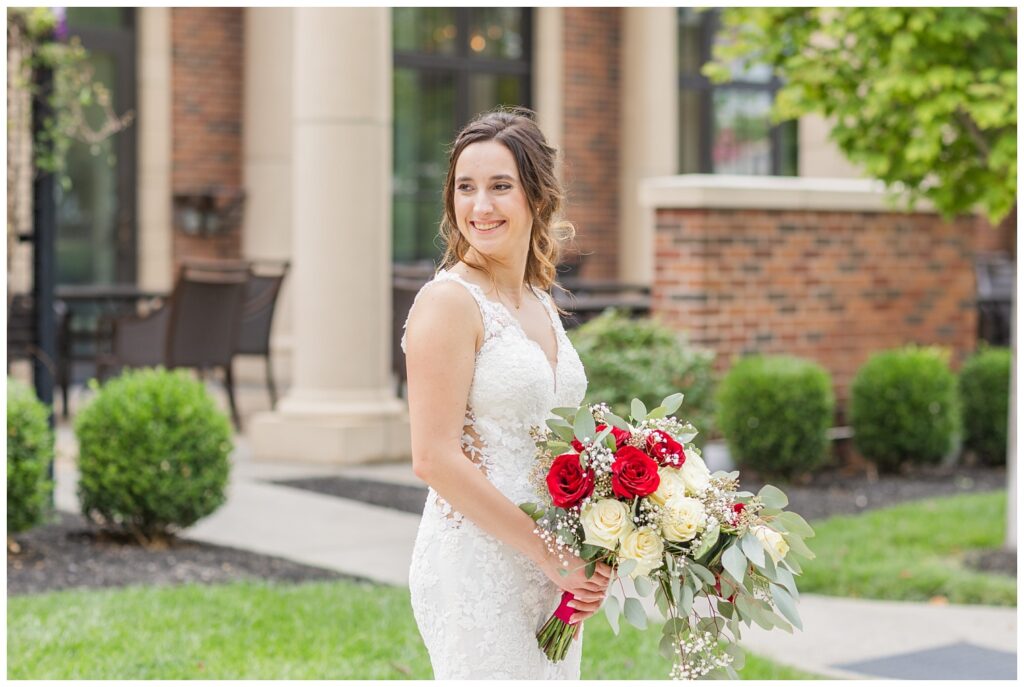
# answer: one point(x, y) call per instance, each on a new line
point(621, 437)
point(568, 483)
point(634, 473)
point(665, 449)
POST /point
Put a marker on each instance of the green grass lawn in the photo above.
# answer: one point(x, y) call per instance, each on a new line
point(912, 552)
point(324, 630)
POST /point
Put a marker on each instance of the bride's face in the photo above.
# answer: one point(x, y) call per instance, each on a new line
point(491, 209)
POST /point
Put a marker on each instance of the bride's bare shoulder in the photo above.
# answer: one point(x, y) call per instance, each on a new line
point(444, 309)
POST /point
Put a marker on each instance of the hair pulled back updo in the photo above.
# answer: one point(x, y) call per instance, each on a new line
point(516, 129)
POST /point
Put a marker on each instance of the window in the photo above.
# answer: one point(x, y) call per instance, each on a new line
point(450, 65)
point(96, 216)
point(726, 128)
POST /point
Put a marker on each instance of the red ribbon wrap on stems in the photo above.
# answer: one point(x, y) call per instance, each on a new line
point(557, 634)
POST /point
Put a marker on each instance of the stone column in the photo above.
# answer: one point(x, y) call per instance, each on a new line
point(341, 407)
point(154, 141)
point(548, 77)
point(267, 171)
point(650, 128)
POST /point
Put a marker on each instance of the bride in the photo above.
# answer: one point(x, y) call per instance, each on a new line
point(487, 358)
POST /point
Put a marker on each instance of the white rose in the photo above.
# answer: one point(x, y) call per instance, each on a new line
point(695, 473)
point(772, 541)
point(671, 484)
point(645, 547)
point(682, 519)
point(606, 522)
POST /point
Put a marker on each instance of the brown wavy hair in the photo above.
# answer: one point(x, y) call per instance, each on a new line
point(516, 129)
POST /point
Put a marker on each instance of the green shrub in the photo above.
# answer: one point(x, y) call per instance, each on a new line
point(775, 412)
point(904, 407)
point(153, 453)
point(985, 399)
point(626, 359)
point(29, 454)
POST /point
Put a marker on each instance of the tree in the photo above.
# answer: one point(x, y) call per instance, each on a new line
point(923, 98)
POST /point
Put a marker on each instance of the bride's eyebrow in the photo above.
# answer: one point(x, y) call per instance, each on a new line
point(508, 177)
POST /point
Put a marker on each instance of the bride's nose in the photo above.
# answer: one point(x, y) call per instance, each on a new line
point(482, 202)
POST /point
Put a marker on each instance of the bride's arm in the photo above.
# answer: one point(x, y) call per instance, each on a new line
point(441, 340)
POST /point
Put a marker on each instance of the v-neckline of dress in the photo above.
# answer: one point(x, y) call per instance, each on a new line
point(519, 326)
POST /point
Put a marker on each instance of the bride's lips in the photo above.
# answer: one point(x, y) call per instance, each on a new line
point(487, 227)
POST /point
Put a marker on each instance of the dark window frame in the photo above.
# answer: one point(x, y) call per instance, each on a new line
point(462, 66)
point(710, 24)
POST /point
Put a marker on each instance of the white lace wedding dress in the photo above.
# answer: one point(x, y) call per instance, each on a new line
point(478, 602)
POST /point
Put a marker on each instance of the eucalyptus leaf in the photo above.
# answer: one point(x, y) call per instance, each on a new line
point(791, 563)
point(667, 647)
point(656, 413)
point(769, 512)
point(558, 447)
point(590, 569)
point(705, 575)
point(752, 549)
point(583, 425)
point(612, 609)
point(616, 421)
point(745, 607)
point(661, 601)
point(528, 508)
point(635, 614)
point(676, 626)
point(786, 605)
point(725, 608)
point(565, 412)
point(739, 657)
point(777, 621)
point(626, 566)
point(638, 410)
point(714, 625)
point(785, 578)
point(643, 585)
point(562, 429)
point(685, 604)
point(671, 403)
point(769, 570)
point(772, 497)
point(796, 524)
point(796, 544)
point(734, 562)
point(709, 539)
point(602, 434)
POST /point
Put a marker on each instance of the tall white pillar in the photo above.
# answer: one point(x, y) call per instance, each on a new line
point(267, 171)
point(341, 407)
point(650, 128)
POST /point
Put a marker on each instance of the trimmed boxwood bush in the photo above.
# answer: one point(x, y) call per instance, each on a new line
point(29, 454)
point(775, 412)
point(153, 454)
point(985, 401)
point(640, 358)
point(904, 407)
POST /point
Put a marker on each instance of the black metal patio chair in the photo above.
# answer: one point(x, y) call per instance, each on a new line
point(197, 327)
point(262, 289)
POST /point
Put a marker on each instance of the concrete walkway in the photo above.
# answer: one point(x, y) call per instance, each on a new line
point(842, 638)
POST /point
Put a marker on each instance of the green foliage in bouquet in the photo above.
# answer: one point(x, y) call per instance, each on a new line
point(153, 453)
point(904, 407)
point(985, 395)
point(29, 453)
point(775, 412)
point(626, 359)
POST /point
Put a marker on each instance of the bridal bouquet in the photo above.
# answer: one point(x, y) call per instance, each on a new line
point(638, 496)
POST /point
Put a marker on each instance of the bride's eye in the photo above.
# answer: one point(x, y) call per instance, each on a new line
point(463, 187)
point(503, 187)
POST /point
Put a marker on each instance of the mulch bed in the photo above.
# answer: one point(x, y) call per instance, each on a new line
point(72, 553)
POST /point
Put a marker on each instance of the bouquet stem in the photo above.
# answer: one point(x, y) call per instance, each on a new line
point(556, 635)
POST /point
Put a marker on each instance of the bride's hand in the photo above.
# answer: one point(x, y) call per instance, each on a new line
point(588, 594)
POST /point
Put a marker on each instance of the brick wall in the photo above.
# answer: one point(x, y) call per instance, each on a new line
point(829, 286)
point(207, 115)
point(591, 137)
